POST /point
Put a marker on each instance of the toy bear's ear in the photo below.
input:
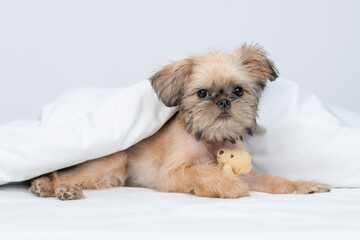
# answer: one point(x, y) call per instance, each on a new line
point(221, 156)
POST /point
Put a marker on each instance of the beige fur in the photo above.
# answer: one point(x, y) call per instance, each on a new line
point(181, 156)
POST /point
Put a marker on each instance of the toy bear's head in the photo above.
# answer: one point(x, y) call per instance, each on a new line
point(224, 155)
point(234, 161)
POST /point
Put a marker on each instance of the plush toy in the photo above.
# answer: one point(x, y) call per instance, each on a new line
point(235, 161)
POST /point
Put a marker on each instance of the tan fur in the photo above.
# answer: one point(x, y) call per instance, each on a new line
point(181, 156)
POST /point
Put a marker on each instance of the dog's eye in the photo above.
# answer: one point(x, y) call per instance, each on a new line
point(239, 91)
point(203, 93)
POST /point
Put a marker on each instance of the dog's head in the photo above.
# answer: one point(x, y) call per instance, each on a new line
point(218, 92)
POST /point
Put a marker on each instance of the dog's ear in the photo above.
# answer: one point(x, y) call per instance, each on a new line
point(169, 82)
point(254, 58)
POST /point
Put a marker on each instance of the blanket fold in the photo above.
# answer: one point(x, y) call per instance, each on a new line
point(300, 137)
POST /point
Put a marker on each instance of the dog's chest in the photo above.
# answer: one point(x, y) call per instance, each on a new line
point(198, 150)
point(205, 153)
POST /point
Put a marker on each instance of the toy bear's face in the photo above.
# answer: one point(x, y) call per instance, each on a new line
point(234, 161)
point(224, 155)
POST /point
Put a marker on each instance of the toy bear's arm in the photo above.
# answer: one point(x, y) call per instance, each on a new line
point(227, 169)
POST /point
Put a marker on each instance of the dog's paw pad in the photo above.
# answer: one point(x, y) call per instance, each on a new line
point(68, 193)
point(42, 187)
point(36, 188)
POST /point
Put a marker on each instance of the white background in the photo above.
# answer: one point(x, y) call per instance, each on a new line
point(48, 47)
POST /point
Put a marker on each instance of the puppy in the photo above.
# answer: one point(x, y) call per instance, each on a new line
point(217, 96)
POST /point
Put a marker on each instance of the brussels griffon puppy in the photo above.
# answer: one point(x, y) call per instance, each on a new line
point(217, 96)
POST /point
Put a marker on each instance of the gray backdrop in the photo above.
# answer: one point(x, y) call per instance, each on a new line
point(47, 47)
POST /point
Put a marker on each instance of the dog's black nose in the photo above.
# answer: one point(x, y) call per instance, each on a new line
point(223, 104)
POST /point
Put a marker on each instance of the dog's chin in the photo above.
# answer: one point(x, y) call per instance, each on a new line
point(223, 129)
point(224, 115)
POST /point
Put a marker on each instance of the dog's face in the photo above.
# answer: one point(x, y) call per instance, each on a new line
point(217, 93)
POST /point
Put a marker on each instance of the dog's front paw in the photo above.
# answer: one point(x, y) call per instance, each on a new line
point(42, 187)
point(230, 187)
point(309, 187)
point(64, 192)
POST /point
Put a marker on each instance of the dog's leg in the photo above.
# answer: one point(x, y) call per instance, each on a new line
point(273, 184)
point(66, 184)
point(202, 180)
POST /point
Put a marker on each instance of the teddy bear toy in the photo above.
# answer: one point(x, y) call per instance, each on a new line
point(234, 161)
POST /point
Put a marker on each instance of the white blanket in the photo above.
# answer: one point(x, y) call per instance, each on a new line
point(298, 136)
point(82, 124)
point(138, 213)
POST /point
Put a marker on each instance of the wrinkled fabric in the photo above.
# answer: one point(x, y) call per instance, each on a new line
point(298, 135)
point(82, 124)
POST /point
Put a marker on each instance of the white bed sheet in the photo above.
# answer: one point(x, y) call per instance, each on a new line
point(137, 213)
